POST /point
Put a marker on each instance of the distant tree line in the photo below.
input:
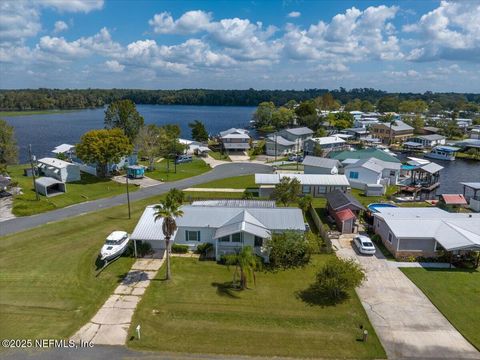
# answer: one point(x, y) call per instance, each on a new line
point(364, 99)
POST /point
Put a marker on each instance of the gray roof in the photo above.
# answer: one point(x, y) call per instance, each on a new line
point(47, 181)
point(454, 231)
point(233, 131)
point(375, 164)
point(400, 126)
point(228, 218)
point(472, 185)
point(321, 162)
point(431, 168)
point(300, 131)
point(359, 130)
point(305, 179)
point(236, 203)
point(431, 128)
point(281, 140)
point(338, 199)
point(430, 137)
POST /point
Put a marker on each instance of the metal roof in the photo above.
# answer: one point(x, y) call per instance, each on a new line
point(233, 131)
point(56, 163)
point(376, 165)
point(327, 140)
point(47, 181)
point(454, 199)
point(337, 199)
point(431, 137)
point(244, 221)
point(431, 168)
point(345, 214)
point(454, 231)
point(472, 185)
point(400, 126)
point(281, 140)
point(300, 131)
point(320, 162)
point(236, 203)
point(60, 149)
point(412, 144)
point(147, 228)
point(305, 179)
point(363, 154)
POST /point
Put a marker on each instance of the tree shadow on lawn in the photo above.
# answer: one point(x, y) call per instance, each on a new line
point(227, 289)
point(315, 296)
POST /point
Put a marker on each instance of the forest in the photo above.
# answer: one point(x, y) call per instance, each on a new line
point(46, 99)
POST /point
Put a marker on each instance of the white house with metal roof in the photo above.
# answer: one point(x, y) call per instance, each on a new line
point(372, 171)
point(316, 185)
point(235, 139)
point(428, 140)
point(58, 169)
point(229, 226)
point(287, 141)
point(326, 143)
point(425, 231)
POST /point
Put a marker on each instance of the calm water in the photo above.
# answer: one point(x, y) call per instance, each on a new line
point(46, 131)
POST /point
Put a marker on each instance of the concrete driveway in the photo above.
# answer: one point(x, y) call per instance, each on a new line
point(407, 323)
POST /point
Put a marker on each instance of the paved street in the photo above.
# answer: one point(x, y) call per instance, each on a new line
point(407, 323)
point(219, 172)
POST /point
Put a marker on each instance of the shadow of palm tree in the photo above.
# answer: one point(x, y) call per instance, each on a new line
point(314, 296)
point(228, 289)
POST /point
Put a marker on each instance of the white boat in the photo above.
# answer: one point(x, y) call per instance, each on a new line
point(115, 244)
point(442, 153)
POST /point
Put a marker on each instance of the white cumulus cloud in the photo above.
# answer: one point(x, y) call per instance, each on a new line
point(60, 26)
point(114, 66)
point(294, 14)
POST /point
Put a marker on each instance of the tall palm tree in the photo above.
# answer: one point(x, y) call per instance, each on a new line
point(246, 262)
point(168, 210)
point(389, 119)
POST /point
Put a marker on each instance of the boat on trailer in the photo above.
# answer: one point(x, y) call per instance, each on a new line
point(115, 245)
point(442, 153)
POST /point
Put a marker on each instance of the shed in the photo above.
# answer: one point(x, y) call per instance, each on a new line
point(374, 190)
point(49, 186)
point(345, 220)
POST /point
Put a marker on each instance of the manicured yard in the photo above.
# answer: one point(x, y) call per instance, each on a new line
point(219, 156)
point(456, 293)
point(48, 287)
point(238, 182)
point(89, 188)
point(185, 170)
point(198, 313)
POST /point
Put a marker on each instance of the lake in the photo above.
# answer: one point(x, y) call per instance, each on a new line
point(46, 131)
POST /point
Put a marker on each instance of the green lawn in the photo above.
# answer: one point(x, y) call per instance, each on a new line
point(456, 293)
point(237, 182)
point(197, 313)
point(217, 155)
point(89, 188)
point(185, 170)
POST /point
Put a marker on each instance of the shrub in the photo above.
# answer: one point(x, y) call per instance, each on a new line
point(289, 249)
point(179, 249)
point(337, 277)
point(143, 248)
point(204, 249)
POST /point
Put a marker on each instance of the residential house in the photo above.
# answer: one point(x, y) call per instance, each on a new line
point(428, 130)
point(58, 169)
point(235, 139)
point(319, 165)
point(316, 185)
point(428, 141)
point(276, 145)
point(372, 171)
point(426, 231)
point(228, 225)
point(326, 144)
point(363, 154)
point(475, 133)
point(357, 133)
point(398, 132)
point(345, 209)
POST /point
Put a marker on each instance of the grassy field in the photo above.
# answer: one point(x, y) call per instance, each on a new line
point(32, 112)
point(456, 293)
point(48, 287)
point(185, 170)
point(238, 182)
point(198, 313)
point(89, 188)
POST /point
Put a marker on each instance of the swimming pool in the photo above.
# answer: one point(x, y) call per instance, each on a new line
point(374, 206)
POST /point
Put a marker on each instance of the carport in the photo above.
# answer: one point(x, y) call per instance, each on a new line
point(49, 186)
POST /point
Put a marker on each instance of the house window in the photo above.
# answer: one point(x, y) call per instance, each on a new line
point(390, 238)
point(224, 239)
point(353, 174)
point(237, 237)
point(192, 235)
point(392, 172)
point(258, 241)
point(306, 189)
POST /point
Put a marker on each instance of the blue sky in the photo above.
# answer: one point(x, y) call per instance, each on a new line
point(391, 45)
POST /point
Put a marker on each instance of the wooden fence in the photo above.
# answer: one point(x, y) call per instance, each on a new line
point(321, 229)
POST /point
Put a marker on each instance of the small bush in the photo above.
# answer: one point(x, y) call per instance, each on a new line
point(143, 249)
point(288, 250)
point(179, 249)
point(204, 249)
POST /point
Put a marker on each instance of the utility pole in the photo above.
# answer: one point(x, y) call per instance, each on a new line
point(33, 170)
point(128, 202)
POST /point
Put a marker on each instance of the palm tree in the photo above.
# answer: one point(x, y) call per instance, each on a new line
point(246, 262)
point(390, 119)
point(168, 210)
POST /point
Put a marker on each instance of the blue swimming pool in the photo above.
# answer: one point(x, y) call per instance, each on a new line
point(374, 206)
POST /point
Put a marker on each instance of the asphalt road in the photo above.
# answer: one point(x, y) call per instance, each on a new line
point(219, 172)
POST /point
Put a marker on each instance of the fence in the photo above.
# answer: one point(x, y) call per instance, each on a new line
point(321, 229)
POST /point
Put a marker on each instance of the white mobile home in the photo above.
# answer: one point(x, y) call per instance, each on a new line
point(319, 165)
point(58, 169)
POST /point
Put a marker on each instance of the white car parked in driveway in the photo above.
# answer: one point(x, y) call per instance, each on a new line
point(364, 244)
